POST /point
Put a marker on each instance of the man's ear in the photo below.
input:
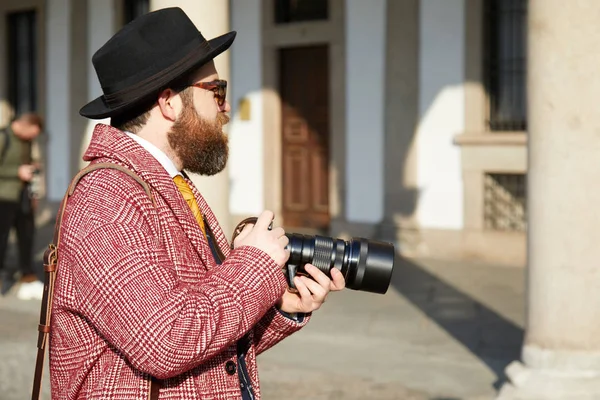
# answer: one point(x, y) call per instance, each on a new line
point(169, 104)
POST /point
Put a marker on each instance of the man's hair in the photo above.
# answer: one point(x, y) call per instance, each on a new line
point(32, 119)
point(134, 120)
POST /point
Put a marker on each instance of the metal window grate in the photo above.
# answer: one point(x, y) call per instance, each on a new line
point(505, 202)
point(287, 11)
point(22, 66)
point(505, 64)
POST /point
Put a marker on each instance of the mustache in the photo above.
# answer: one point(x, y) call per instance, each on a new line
point(222, 119)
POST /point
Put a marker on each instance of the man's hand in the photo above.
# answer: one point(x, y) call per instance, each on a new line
point(272, 242)
point(25, 172)
point(311, 293)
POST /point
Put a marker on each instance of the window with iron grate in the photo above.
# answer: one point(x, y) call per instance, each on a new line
point(505, 64)
point(505, 202)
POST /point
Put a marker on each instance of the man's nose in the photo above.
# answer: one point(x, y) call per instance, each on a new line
point(226, 107)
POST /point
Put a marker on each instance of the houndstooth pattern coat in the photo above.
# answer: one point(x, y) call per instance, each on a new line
point(138, 293)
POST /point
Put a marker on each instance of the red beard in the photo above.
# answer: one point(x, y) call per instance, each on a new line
point(201, 145)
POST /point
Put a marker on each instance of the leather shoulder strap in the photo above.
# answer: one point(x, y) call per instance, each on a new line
point(50, 267)
point(86, 171)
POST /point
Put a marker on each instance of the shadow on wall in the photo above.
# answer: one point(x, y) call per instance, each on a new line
point(401, 116)
point(425, 77)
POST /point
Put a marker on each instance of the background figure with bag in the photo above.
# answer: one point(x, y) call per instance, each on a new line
point(19, 172)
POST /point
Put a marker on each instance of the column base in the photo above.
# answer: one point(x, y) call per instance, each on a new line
point(545, 384)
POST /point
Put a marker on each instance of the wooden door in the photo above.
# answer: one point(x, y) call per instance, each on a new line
point(304, 86)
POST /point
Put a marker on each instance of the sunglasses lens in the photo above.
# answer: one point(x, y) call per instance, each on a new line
point(219, 88)
point(221, 94)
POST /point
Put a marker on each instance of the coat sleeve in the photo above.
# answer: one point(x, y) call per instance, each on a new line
point(126, 287)
point(273, 327)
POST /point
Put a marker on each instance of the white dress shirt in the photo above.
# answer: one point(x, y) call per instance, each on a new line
point(157, 153)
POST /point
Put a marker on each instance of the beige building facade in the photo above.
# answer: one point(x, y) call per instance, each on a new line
point(390, 133)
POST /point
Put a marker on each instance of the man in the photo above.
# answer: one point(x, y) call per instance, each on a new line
point(18, 167)
point(149, 297)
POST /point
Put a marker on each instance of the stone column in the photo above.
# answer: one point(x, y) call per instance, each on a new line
point(65, 64)
point(561, 353)
point(212, 19)
point(101, 25)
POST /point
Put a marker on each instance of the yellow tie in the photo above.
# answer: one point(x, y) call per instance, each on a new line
point(188, 196)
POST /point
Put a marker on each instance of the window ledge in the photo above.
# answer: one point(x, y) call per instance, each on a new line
point(491, 139)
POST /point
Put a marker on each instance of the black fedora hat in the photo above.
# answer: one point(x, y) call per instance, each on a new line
point(146, 56)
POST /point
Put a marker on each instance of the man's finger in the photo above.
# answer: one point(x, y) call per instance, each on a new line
point(278, 232)
point(284, 240)
point(305, 295)
point(318, 291)
point(318, 275)
point(337, 282)
point(264, 220)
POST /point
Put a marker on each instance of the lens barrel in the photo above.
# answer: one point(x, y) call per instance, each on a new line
point(367, 265)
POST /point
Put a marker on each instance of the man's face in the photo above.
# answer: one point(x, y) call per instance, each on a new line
point(199, 142)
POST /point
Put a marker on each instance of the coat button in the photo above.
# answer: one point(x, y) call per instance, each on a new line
point(230, 367)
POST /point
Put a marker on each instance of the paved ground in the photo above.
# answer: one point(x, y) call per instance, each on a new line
point(444, 331)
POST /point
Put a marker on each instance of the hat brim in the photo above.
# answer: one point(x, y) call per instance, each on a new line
point(98, 108)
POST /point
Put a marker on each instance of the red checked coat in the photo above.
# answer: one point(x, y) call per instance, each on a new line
point(138, 293)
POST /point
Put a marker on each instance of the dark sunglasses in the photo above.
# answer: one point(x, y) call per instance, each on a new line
point(218, 87)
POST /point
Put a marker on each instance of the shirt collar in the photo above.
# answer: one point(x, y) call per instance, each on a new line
point(157, 153)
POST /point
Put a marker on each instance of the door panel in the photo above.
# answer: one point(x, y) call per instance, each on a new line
point(304, 85)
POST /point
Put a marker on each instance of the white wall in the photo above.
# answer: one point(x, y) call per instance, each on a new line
point(365, 74)
point(441, 112)
point(58, 115)
point(246, 137)
point(101, 26)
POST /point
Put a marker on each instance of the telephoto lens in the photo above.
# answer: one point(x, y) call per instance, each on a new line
point(367, 265)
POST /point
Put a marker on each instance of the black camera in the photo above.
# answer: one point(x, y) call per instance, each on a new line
point(367, 265)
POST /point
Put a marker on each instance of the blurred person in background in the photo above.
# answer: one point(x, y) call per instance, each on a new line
point(19, 169)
